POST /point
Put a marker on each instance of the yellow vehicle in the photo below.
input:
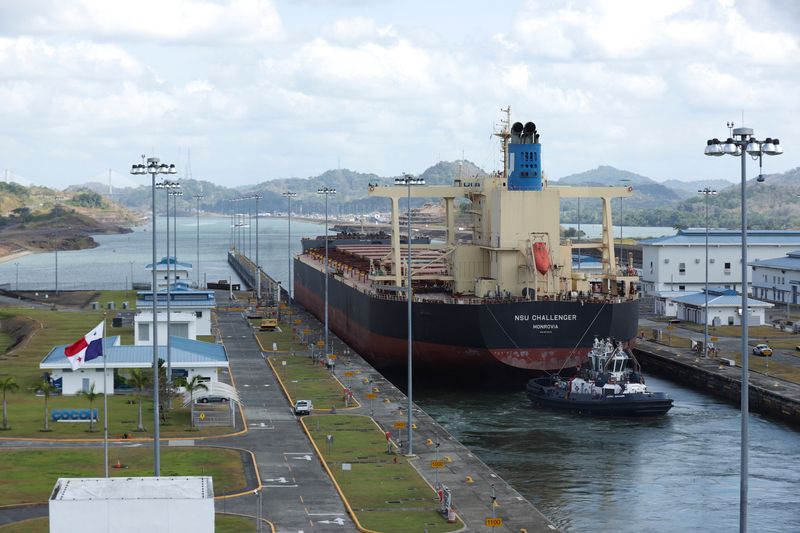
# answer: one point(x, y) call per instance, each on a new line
point(269, 324)
point(762, 349)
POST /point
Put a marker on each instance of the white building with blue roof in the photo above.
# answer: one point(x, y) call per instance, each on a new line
point(190, 314)
point(170, 270)
point(677, 263)
point(188, 358)
point(777, 279)
point(724, 308)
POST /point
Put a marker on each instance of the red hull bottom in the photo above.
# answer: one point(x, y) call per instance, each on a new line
point(387, 353)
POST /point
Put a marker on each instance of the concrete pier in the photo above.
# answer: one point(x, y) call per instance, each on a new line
point(768, 395)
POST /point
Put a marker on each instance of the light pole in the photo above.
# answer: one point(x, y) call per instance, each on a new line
point(623, 180)
point(153, 167)
point(198, 197)
point(17, 278)
point(257, 197)
point(131, 263)
point(706, 192)
point(289, 195)
point(169, 187)
point(55, 249)
point(740, 143)
point(327, 192)
point(408, 181)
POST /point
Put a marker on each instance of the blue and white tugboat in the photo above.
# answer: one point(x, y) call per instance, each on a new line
point(611, 384)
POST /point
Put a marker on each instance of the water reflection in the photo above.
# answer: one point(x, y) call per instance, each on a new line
point(677, 472)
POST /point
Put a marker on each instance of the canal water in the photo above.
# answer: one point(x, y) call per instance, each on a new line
point(679, 472)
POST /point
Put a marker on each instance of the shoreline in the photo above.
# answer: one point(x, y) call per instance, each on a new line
point(15, 255)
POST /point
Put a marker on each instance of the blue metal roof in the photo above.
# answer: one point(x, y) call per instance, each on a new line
point(725, 236)
point(171, 261)
point(184, 352)
point(790, 262)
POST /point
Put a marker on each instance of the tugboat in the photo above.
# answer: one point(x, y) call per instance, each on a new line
point(610, 384)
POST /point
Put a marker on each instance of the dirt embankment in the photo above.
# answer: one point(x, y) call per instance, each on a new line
point(71, 231)
point(19, 328)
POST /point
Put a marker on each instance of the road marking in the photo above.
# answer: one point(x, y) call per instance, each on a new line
point(306, 457)
point(278, 479)
point(325, 514)
point(338, 521)
point(280, 486)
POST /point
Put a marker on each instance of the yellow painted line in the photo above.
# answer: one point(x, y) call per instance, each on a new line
point(291, 400)
point(333, 479)
point(271, 525)
point(255, 467)
point(280, 381)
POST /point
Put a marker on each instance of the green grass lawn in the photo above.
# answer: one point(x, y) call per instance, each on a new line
point(283, 337)
point(30, 474)
point(223, 523)
point(26, 418)
point(305, 380)
point(26, 411)
point(386, 496)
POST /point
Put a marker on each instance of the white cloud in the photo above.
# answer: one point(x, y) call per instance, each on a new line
point(192, 21)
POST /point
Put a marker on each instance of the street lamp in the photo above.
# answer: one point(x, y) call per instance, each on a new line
point(408, 181)
point(170, 189)
point(740, 143)
point(198, 197)
point(257, 197)
point(289, 195)
point(623, 180)
point(327, 192)
point(17, 278)
point(706, 192)
point(153, 167)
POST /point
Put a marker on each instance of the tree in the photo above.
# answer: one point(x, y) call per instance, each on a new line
point(140, 380)
point(90, 395)
point(47, 388)
point(193, 385)
point(7, 384)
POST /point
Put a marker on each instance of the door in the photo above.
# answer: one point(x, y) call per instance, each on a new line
point(85, 387)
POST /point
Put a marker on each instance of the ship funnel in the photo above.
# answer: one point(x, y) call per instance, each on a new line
point(516, 133)
point(528, 132)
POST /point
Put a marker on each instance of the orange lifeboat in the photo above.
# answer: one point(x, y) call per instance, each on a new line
point(541, 257)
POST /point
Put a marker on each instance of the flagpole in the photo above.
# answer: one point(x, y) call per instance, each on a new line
point(105, 400)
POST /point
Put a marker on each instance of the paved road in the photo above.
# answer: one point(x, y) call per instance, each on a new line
point(298, 493)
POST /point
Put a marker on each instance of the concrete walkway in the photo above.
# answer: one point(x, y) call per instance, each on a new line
point(298, 494)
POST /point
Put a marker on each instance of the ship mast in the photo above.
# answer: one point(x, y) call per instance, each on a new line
point(505, 135)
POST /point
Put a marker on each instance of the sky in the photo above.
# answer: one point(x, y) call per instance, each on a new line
point(241, 91)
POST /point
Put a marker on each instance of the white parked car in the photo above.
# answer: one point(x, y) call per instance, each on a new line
point(303, 407)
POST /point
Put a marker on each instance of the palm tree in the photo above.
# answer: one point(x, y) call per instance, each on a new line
point(193, 385)
point(91, 395)
point(47, 388)
point(7, 384)
point(140, 380)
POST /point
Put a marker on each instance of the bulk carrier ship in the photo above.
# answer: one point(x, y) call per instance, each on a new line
point(509, 300)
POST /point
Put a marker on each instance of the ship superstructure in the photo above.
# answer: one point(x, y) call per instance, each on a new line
point(509, 295)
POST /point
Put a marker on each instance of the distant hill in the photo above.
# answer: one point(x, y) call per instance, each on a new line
point(773, 204)
point(687, 189)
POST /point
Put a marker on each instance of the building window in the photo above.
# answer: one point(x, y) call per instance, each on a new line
point(680, 287)
point(727, 269)
point(682, 269)
point(144, 332)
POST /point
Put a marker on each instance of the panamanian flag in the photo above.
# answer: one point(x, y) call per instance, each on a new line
point(88, 347)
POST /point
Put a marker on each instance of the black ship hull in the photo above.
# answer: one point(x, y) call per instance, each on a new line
point(542, 393)
point(527, 337)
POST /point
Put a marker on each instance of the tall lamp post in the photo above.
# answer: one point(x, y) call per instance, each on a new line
point(257, 197)
point(198, 197)
point(740, 143)
point(169, 187)
point(289, 195)
point(706, 192)
point(623, 180)
point(327, 192)
point(408, 181)
point(154, 167)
